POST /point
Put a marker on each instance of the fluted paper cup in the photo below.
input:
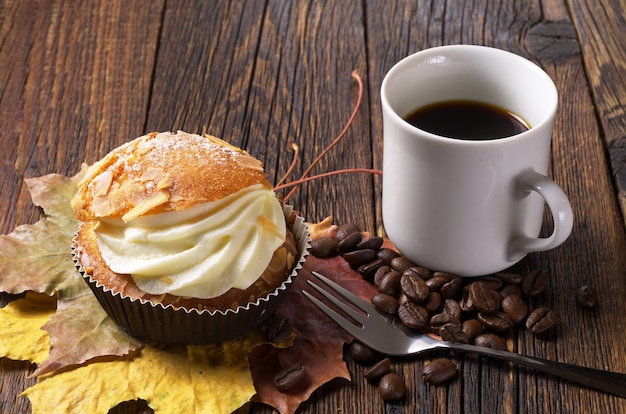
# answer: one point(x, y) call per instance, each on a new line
point(166, 324)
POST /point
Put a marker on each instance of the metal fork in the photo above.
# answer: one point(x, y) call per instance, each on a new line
point(379, 333)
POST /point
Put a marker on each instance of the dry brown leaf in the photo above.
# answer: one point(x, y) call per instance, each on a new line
point(81, 330)
point(37, 258)
point(319, 341)
point(20, 324)
point(199, 379)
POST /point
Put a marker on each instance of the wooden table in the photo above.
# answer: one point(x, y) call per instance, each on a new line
point(79, 78)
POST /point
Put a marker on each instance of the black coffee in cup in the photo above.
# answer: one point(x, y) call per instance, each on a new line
point(467, 120)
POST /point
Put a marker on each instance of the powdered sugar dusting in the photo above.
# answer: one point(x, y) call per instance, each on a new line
point(190, 167)
point(167, 145)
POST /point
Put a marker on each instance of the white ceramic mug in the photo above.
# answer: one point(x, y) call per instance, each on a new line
point(469, 207)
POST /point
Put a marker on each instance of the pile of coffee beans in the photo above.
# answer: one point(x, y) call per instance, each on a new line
point(479, 310)
point(458, 309)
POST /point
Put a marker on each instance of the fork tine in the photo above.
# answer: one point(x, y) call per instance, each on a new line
point(354, 314)
point(354, 299)
point(351, 328)
point(375, 330)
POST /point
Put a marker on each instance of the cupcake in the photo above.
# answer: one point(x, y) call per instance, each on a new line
point(182, 239)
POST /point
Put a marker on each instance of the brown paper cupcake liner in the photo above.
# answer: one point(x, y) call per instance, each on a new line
point(161, 324)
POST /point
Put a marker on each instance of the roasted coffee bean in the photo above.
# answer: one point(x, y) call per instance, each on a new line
point(387, 255)
point(483, 298)
point(472, 328)
point(368, 270)
point(380, 272)
point(493, 282)
point(403, 298)
point(465, 303)
point(498, 296)
point(516, 308)
point(587, 297)
point(380, 276)
point(414, 286)
point(511, 290)
point(378, 370)
point(413, 315)
point(278, 328)
point(418, 271)
point(446, 275)
point(385, 303)
point(390, 283)
point(401, 263)
point(432, 302)
point(373, 243)
point(346, 230)
point(535, 282)
point(453, 332)
point(391, 387)
point(509, 278)
point(324, 247)
point(540, 320)
point(363, 354)
point(452, 308)
point(497, 321)
point(349, 243)
point(452, 289)
point(489, 340)
point(438, 320)
point(439, 371)
point(356, 258)
point(436, 282)
point(290, 377)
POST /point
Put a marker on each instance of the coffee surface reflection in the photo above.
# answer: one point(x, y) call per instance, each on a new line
point(467, 120)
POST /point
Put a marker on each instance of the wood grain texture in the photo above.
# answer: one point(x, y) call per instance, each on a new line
point(78, 79)
point(75, 81)
point(605, 64)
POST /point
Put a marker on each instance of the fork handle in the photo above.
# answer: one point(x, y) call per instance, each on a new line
point(612, 382)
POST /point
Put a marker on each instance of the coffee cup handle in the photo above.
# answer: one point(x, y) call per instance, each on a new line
point(559, 205)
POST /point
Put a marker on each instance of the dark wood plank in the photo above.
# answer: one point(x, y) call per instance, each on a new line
point(77, 80)
point(275, 74)
point(203, 72)
point(580, 166)
point(316, 47)
point(543, 33)
point(600, 29)
point(74, 83)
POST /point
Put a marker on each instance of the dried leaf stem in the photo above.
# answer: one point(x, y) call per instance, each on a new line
point(296, 152)
point(327, 174)
point(304, 177)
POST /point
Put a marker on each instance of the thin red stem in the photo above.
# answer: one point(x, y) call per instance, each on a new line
point(326, 174)
point(357, 105)
point(296, 152)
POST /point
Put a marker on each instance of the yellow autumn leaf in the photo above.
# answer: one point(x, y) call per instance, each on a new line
point(20, 324)
point(198, 379)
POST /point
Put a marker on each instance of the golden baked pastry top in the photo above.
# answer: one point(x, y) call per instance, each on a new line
point(161, 172)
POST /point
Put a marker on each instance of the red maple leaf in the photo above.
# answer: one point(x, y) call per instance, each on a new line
point(319, 342)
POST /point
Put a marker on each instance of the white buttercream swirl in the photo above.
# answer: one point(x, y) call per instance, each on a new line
point(201, 252)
